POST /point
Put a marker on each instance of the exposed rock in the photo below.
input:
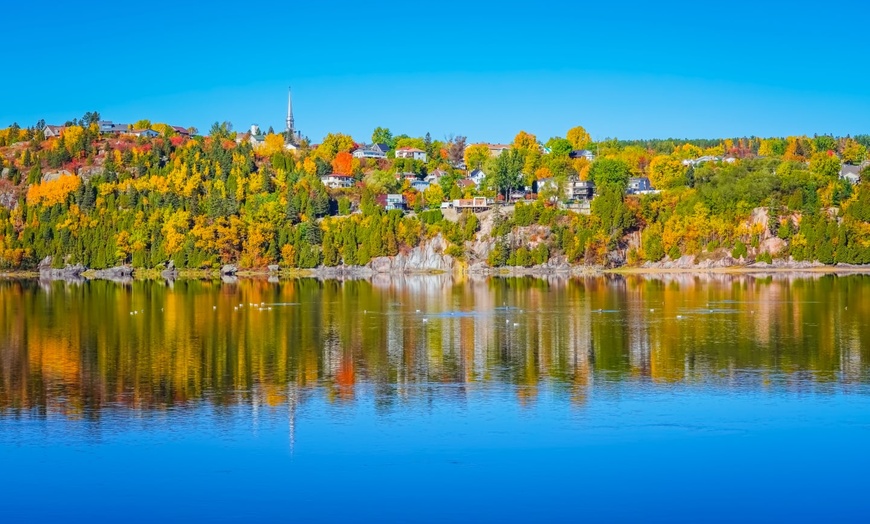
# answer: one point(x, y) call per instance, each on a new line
point(69, 272)
point(274, 268)
point(343, 272)
point(229, 269)
point(427, 257)
point(114, 273)
point(772, 245)
point(170, 272)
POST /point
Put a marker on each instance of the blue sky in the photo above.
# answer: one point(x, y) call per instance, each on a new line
point(484, 69)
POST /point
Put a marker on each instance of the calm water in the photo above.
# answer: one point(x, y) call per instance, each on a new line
point(674, 398)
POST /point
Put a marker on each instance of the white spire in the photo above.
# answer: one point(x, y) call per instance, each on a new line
point(291, 125)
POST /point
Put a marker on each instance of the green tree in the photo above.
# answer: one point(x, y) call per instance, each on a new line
point(610, 171)
point(382, 135)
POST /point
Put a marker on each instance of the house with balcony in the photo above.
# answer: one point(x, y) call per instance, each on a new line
point(374, 151)
point(337, 181)
point(411, 152)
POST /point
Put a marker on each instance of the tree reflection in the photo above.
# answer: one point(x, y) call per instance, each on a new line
point(77, 349)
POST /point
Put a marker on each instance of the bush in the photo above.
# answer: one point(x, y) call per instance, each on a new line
point(739, 250)
point(674, 252)
point(764, 257)
point(454, 251)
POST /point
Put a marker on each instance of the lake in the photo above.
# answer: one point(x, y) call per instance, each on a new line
point(677, 398)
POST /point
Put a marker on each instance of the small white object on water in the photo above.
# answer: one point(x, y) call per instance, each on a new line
point(679, 316)
point(214, 307)
point(651, 310)
point(418, 311)
point(425, 320)
point(516, 324)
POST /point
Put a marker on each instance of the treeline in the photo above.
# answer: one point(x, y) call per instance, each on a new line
point(205, 201)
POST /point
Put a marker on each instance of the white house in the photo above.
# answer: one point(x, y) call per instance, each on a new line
point(147, 133)
point(420, 185)
point(435, 176)
point(582, 153)
point(395, 201)
point(372, 151)
point(337, 181)
point(109, 127)
point(852, 174)
point(52, 131)
point(477, 176)
point(411, 152)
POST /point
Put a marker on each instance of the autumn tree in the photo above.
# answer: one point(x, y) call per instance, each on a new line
point(476, 155)
point(825, 165)
point(456, 150)
point(343, 163)
point(667, 172)
point(333, 144)
point(578, 137)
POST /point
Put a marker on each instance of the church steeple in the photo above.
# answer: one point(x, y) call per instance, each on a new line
point(291, 124)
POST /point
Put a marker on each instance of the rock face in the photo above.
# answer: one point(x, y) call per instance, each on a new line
point(427, 257)
point(229, 269)
point(274, 268)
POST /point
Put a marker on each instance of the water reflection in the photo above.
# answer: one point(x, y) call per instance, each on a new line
point(78, 349)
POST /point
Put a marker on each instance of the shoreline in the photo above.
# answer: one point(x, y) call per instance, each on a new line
point(339, 273)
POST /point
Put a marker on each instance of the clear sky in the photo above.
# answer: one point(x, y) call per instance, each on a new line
point(481, 69)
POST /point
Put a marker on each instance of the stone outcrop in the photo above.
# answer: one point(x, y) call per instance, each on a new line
point(229, 269)
point(68, 272)
point(425, 258)
point(117, 273)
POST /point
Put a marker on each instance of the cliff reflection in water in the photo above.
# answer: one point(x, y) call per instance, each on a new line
point(76, 349)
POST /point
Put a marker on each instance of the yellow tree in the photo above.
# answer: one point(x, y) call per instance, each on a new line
point(579, 137)
point(666, 172)
point(476, 155)
point(798, 148)
point(853, 152)
point(73, 138)
point(272, 143)
point(525, 142)
point(333, 143)
point(687, 151)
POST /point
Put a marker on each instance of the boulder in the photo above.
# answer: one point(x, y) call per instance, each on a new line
point(274, 268)
point(69, 272)
point(229, 269)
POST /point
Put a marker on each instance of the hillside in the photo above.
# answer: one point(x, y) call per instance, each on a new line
point(102, 200)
